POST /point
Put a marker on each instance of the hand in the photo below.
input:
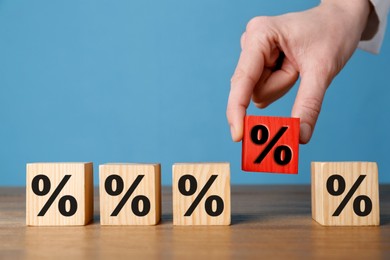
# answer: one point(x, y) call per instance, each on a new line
point(313, 44)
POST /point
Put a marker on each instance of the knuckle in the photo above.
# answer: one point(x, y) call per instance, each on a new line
point(322, 70)
point(242, 40)
point(243, 35)
point(261, 33)
point(257, 23)
point(240, 75)
point(252, 25)
point(325, 66)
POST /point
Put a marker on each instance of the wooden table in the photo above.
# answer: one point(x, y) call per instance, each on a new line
point(267, 221)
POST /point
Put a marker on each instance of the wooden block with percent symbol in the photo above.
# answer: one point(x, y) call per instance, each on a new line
point(270, 144)
point(59, 194)
point(201, 194)
point(130, 194)
point(345, 193)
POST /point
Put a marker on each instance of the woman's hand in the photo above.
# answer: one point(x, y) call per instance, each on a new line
point(313, 44)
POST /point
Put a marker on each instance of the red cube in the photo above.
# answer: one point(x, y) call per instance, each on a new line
point(270, 144)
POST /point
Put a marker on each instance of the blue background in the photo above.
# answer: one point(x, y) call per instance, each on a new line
point(148, 81)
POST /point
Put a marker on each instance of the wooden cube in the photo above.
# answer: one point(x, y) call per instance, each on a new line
point(59, 194)
point(201, 194)
point(130, 194)
point(345, 193)
point(270, 144)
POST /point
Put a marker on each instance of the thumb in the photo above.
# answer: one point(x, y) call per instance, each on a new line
point(308, 103)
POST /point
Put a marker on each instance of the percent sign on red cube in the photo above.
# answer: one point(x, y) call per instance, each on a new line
point(270, 144)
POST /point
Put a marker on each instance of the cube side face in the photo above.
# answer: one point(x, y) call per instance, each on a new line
point(148, 188)
point(202, 172)
point(258, 133)
point(88, 186)
point(44, 179)
point(157, 188)
point(317, 198)
point(338, 180)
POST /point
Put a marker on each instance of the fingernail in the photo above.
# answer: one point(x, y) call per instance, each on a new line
point(305, 133)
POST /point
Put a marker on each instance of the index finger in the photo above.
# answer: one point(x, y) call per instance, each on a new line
point(248, 71)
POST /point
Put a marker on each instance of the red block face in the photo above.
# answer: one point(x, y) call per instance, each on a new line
point(270, 144)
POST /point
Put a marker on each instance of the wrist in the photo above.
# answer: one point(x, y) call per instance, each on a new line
point(355, 11)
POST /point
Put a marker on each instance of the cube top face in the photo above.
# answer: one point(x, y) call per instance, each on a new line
point(201, 194)
point(130, 194)
point(80, 164)
point(59, 194)
point(199, 164)
point(345, 193)
point(270, 144)
point(127, 163)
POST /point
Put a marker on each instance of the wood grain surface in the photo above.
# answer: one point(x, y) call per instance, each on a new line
point(347, 174)
point(79, 186)
point(202, 173)
point(149, 186)
point(267, 222)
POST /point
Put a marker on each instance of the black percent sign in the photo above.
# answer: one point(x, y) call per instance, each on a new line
point(340, 190)
point(282, 153)
point(135, 203)
point(192, 187)
point(46, 186)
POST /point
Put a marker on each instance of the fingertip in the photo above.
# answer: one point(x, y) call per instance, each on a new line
point(232, 132)
point(235, 133)
point(305, 133)
point(261, 105)
point(235, 116)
